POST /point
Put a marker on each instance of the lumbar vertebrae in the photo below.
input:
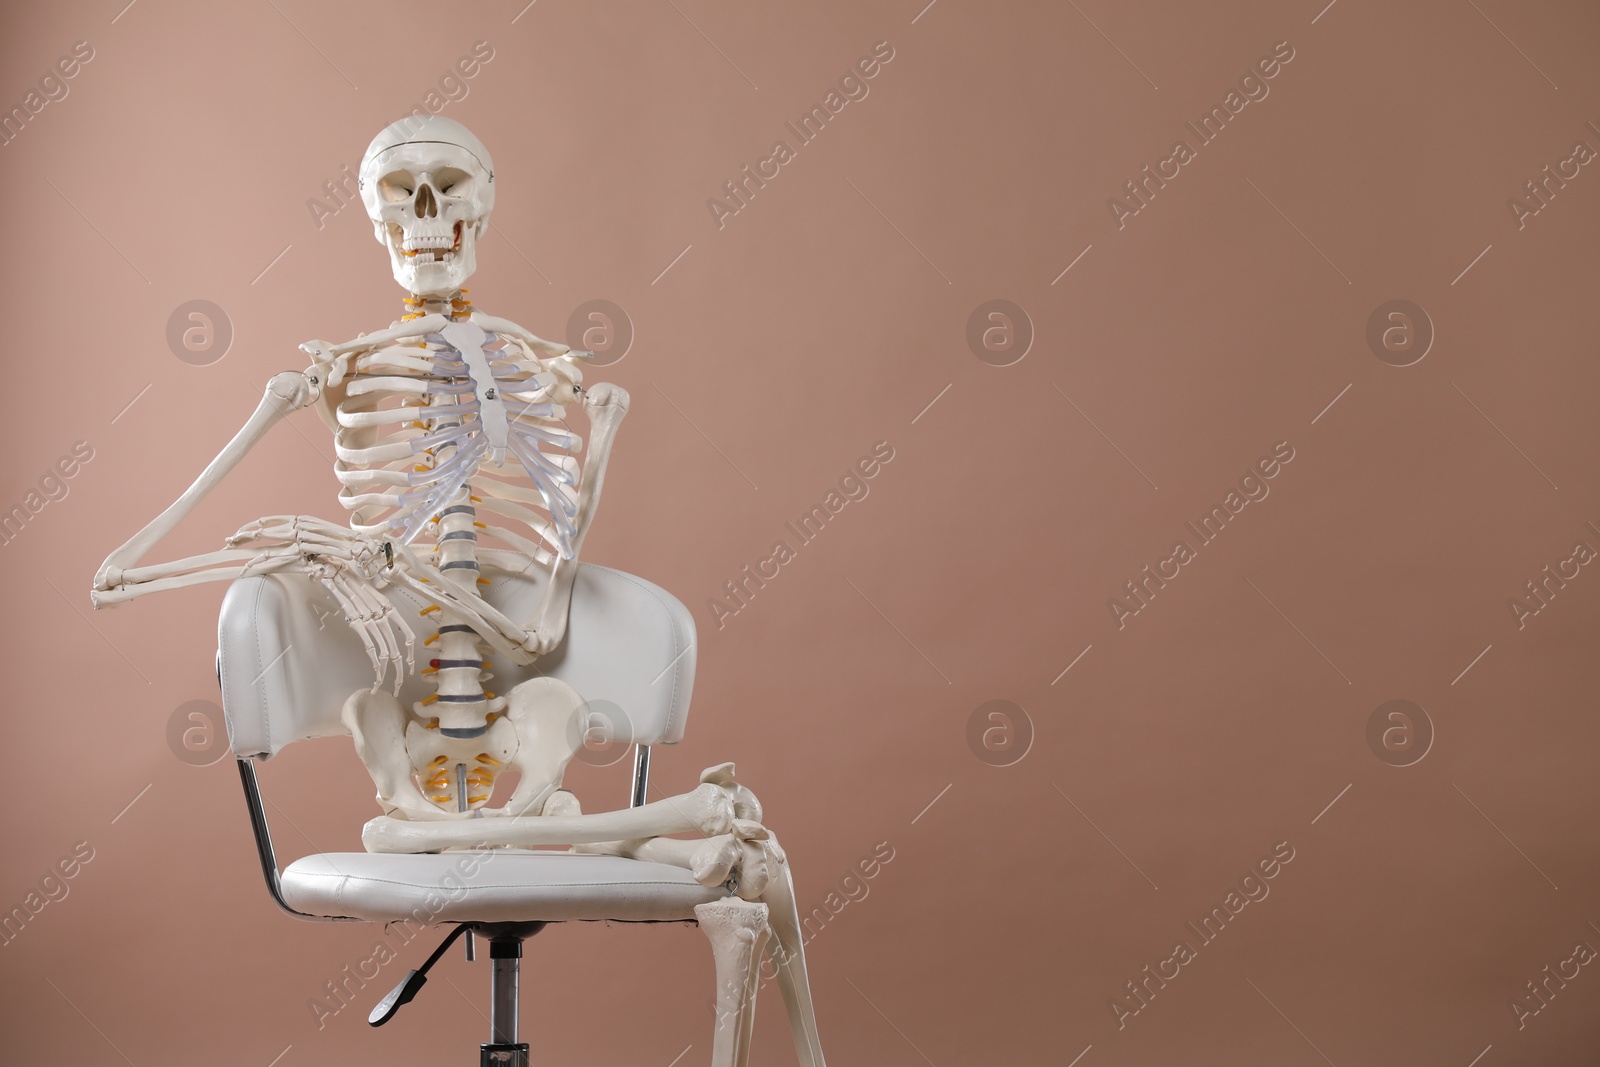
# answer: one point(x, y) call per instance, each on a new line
point(448, 426)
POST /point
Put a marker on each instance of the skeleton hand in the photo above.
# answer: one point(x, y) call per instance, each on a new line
point(350, 566)
point(312, 539)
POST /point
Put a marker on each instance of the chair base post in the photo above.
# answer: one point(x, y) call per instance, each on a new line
point(505, 959)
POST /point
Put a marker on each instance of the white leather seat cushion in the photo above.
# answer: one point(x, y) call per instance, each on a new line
point(503, 886)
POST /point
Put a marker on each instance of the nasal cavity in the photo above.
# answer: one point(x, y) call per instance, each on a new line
point(426, 206)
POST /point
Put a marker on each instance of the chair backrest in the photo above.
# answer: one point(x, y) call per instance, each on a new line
point(287, 660)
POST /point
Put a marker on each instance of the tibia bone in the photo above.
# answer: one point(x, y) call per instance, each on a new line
point(737, 930)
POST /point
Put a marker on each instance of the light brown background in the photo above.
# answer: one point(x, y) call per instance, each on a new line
point(823, 318)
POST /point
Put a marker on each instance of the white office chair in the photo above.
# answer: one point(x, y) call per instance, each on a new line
point(287, 662)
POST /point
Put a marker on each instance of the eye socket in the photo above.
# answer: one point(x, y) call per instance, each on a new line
point(397, 186)
point(452, 181)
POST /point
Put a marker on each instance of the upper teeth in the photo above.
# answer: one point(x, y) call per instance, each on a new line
point(418, 244)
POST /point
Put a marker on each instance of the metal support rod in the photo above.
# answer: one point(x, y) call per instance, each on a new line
point(503, 1024)
point(264, 852)
point(641, 774)
point(505, 959)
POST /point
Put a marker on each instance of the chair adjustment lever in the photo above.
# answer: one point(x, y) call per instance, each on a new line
point(413, 981)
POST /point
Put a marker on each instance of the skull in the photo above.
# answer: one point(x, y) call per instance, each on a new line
point(428, 186)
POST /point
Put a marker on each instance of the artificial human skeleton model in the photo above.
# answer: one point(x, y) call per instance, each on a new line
point(449, 426)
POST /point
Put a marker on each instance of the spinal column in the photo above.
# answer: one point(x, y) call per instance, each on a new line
point(463, 708)
point(458, 668)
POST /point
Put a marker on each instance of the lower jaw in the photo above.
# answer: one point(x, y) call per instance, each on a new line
point(427, 279)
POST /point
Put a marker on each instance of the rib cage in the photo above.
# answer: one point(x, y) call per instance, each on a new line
point(407, 403)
